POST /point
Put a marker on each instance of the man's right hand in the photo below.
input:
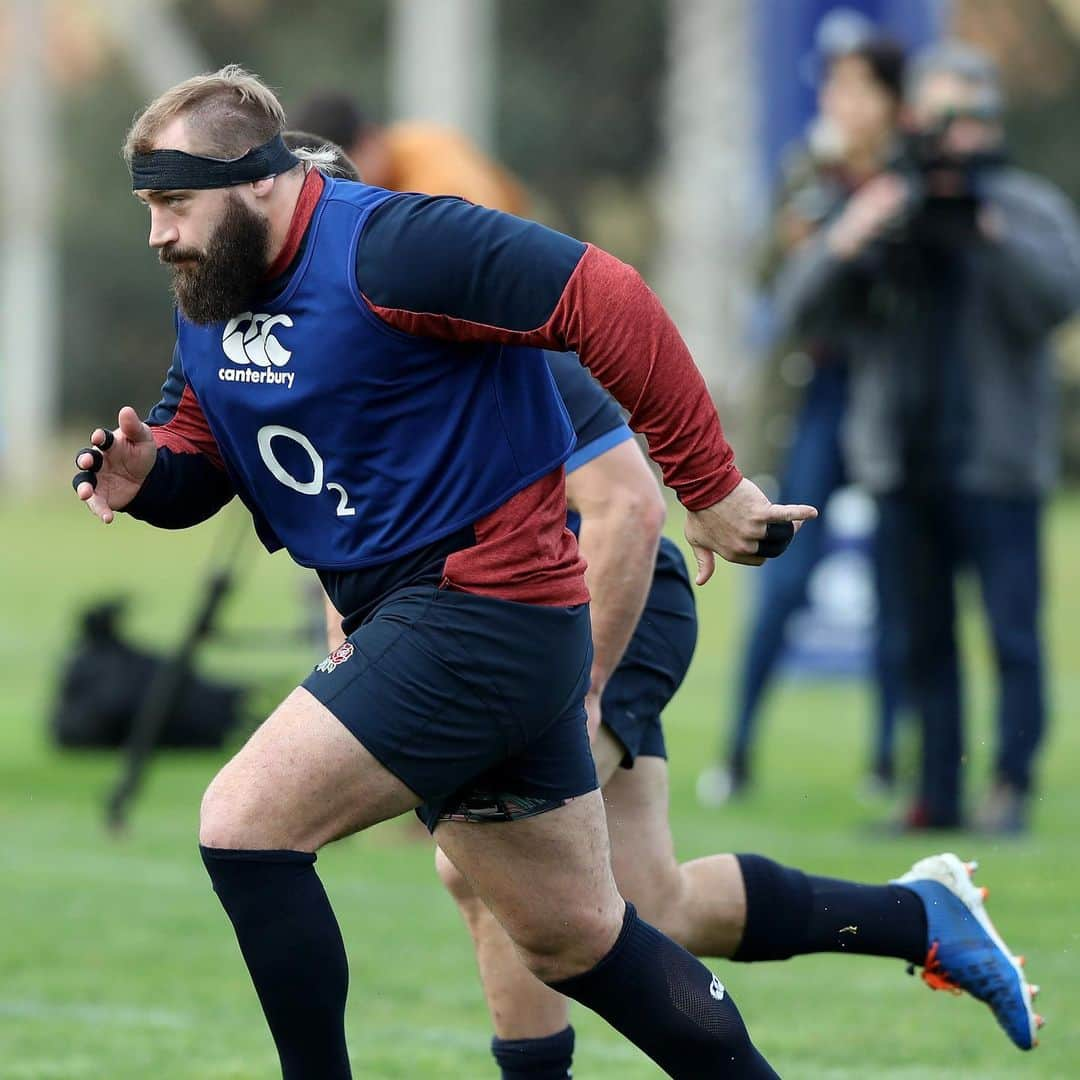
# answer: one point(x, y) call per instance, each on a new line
point(125, 465)
point(737, 528)
point(868, 213)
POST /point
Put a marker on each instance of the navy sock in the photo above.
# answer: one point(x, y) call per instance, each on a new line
point(549, 1058)
point(291, 943)
point(789, 913)
point(668, 1004)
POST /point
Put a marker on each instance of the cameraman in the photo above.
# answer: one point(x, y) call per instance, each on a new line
point(946, 275)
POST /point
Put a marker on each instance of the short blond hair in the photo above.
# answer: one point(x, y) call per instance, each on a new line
point(227, 111)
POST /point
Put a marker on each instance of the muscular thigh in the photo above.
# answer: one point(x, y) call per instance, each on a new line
point(547, 879)
point(301, 780)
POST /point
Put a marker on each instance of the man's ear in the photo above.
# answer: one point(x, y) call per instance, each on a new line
point(261, 188)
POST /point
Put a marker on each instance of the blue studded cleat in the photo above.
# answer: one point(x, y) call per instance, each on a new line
point(965, 952)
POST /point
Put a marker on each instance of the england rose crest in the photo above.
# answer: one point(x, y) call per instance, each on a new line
point(336, 658)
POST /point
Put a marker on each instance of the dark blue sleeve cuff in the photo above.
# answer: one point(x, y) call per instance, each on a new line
point(182, 490)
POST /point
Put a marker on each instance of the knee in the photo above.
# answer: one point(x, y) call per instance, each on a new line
point(230, 817)
point(218, 824)
point(930, 651)
point(555, 949)
point(1017, 647)
point(661, 905)
point(657, 890)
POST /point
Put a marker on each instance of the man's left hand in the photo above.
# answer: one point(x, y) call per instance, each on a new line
point(738, 529)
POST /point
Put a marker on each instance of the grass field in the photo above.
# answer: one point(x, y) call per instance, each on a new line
point(116, 961)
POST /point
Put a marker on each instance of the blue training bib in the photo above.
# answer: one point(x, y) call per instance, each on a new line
point(353, 443)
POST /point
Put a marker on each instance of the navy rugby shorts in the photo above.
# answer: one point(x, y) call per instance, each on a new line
point(476, 704)
point(653, 666)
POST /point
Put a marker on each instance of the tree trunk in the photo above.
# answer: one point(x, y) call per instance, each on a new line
point(705, 183)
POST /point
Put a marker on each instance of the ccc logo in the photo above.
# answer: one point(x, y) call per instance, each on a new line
point(249, 339)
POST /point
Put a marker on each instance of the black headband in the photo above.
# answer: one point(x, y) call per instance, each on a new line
point(173, 170)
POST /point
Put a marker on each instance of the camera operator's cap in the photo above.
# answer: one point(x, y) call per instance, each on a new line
point(965, 62)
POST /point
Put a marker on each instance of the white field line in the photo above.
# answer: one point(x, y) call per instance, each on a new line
point(39, 1068)
point(114, 1015)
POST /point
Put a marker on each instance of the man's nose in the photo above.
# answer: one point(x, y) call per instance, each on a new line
point(163, 230)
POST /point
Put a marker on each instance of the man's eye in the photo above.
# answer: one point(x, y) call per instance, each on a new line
point(176, 200)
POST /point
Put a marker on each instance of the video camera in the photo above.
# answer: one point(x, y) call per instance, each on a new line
point(946, 186)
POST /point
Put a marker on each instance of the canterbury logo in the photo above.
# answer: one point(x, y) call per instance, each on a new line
point(716, 989)
point(249, 339)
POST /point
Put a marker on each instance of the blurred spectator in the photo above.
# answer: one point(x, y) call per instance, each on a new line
point(945, 276)
point(850, 142)
point(412, 156)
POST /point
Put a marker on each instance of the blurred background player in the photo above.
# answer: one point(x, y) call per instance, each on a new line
point(411, 155)
point(851, 141)
point(644, 631)
point(743, 907)
point(945, 276)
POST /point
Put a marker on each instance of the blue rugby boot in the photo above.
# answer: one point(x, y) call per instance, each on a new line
point(965, 952)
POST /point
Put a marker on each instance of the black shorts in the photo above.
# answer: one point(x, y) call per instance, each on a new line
point(476, 704)
point(653, 667)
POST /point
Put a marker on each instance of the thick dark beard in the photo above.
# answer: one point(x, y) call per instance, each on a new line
point(225, 277)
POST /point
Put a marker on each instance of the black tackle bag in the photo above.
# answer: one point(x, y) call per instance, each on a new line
point(104, 682)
